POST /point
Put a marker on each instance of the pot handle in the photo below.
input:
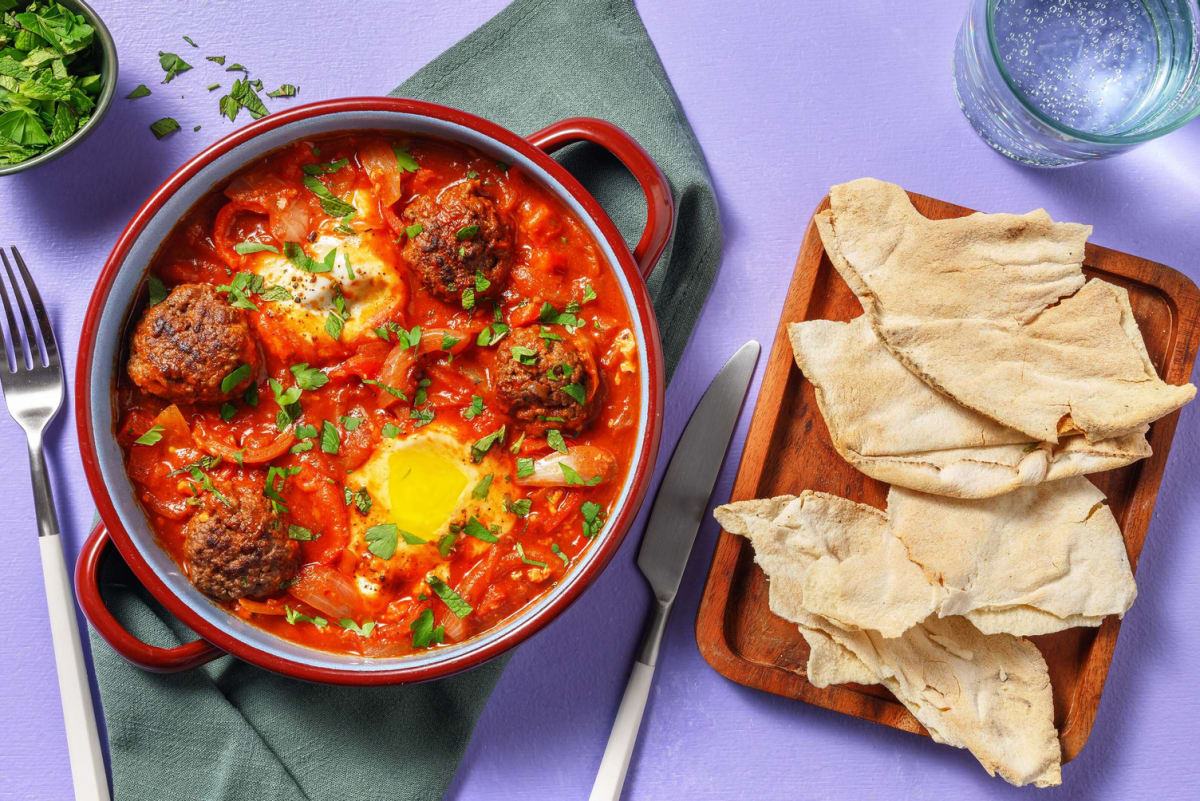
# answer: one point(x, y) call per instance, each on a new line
point(145, 656)
point(660, 210)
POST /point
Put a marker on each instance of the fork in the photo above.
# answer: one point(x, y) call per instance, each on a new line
point(32, 378)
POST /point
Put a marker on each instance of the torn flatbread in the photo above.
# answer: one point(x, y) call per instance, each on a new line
point(993, 310)
point(895, 428)
point(987, 693)
point(1041, 559)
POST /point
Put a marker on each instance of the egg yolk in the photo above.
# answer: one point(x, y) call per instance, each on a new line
point(423, 489)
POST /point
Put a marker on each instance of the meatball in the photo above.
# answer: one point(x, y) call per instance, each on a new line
point(545, 383)
point(239, 550)
point(462, 234)
point(187, 343)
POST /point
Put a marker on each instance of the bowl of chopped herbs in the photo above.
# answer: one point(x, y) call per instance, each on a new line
point(58, 71)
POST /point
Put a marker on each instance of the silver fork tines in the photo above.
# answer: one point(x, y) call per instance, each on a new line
point(32, 374)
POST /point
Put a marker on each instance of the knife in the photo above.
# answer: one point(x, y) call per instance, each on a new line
point(675, 518)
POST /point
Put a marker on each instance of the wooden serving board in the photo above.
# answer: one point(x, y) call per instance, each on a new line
point(788, 450)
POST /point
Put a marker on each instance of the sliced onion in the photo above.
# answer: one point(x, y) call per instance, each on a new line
point(291, 223)
point(328, 591)
point(379, 160)
point(232, 453)
point(588, 461)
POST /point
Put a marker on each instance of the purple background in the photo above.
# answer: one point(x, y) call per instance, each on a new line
point(786, 101)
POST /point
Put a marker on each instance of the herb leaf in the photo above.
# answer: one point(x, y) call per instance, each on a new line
point(151, 437)
point(454, 602)
point(383, 539)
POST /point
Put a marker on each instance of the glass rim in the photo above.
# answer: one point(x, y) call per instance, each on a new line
point(1074, 132)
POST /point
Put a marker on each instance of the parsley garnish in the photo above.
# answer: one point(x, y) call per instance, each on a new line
point(475, 409)
point(405, 160)
point(383, 539)
point(413, 230)
point(293, 616)
point(554, 439)
point(576, 392)
point(592, 520)
point(151, 437)
point(362, 631)
point(558, 552)
point(484, 444)
point(296, 532)
point(391, 430)
point(139, 91)
point(173, 64)
point(528, 561)
point(467, 231)
point(572, 477)
point(333, 205)
point(296, 255)
point(240, 374)
point(286, 90)
point(424, 634)
point(395, 393)
point(454, 602)
point(330, 439)
point(481, 489)
point(244, 248)
point(524, 467)
point(519, 507)
point(479, 531)
point(158, 292)
point(163, 127)
point(308, 377)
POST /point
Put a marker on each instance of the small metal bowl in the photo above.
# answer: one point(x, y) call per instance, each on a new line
point(108, 86)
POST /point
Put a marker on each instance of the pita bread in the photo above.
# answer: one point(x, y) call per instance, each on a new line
point(993, 310)
point(1041, 559)
point(987, 693)
point(895, 428)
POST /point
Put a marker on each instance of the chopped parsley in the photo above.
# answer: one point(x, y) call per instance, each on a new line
point(558, 552)
point(527, 560)
point(491, 334)
point(158, 292)
point(296, 532)
point(360, 498)
point(475, 409)
point(162, 127)
point(405, 160)
point(520, 507)
point(481, 489)
point(524, 355)
point(576, 392)
point(449, 342)
point(308, 378)
point(414, 229)
point(351, 423)
point(151, 437)
point(424, 634)
point(286, 90)
point(139, 91)
point(592, 519)
point(383, 539)
point(484, 444)
point(395, 393)
point(554, 439)
point(391, 430)
point(467, 231)
point(333, 205)
point(239, 374)
point(478, 530)
point(423, 416)
point(524, 467)
point(296, 255)
point(330, 439)
point(173, 65)
point(294, 617)
point(454, 602)
point(362, 631)
point(572, 477)
point(228, 410)
point(245, 248)
point(468, 298)
point(567, 318)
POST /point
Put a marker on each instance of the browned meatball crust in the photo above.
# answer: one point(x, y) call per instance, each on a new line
point(462, 233)
point(239, 551)
point(186, 344)
point(540, 381)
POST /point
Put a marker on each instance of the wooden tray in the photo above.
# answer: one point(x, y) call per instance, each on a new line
point(788, 450)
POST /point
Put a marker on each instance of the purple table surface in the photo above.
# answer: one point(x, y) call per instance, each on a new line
point(786, 101)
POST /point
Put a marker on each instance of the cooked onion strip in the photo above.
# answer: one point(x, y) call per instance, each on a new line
point(589, 461)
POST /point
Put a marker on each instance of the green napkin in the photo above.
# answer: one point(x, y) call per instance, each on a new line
point(231, 732)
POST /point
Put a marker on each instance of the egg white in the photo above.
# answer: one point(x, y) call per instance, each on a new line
point(370, 294)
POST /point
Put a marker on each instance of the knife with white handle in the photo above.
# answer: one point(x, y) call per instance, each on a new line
point(671, 530)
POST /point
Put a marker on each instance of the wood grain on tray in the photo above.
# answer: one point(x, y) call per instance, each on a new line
point(788, 449)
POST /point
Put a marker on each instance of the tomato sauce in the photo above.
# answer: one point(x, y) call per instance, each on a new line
point(351, 595)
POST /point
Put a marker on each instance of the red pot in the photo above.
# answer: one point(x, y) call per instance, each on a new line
point(123, 522)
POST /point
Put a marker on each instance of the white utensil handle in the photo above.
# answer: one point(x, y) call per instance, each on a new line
point(83, 741)
point(610, 779)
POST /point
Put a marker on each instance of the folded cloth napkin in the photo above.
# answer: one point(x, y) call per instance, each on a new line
point(231, 731)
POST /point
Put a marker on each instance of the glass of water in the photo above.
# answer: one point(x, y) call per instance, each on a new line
point(1057, 82)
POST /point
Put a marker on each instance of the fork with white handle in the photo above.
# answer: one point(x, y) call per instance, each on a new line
point(32, 378)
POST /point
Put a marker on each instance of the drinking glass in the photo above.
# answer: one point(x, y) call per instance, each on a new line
point(1057, 82)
